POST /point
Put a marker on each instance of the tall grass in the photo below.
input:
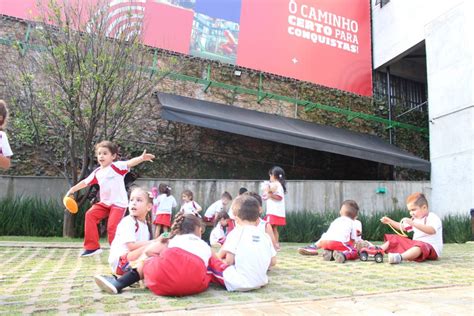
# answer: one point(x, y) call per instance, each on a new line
point(457, 228)
point(308, 226)
point(27, 216)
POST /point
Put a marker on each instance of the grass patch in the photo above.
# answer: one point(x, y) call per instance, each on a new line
point(295, 278)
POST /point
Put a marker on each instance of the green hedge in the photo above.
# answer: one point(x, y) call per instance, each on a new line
point(25, 216)
point(308, 227)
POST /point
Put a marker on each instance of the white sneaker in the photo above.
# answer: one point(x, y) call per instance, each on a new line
point(394, 258)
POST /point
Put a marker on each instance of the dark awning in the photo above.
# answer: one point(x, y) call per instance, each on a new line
point(285, 130)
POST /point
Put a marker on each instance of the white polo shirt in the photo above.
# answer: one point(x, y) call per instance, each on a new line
point(165, 204)
point(192, 244)
point(127, 231)
point(111, 183)
point(275, 207)
point(253, 252)
point(5, 149)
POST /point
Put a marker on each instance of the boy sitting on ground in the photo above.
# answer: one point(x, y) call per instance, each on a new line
point(247, 252)
point(338, 241)
point(427, 243)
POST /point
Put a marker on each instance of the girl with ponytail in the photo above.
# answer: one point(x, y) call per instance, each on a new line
point(176, 264)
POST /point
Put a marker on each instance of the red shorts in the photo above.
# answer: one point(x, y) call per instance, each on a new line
point(275, 220)
point(334, 245)
point(216, 269)
point(123, 265)
point(399, 244)
point(163, 219)
point(176, 272)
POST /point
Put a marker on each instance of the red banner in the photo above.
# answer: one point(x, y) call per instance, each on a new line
point(326, 42)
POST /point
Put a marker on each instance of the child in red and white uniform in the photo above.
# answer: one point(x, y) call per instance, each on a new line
point(113, 195)
point(176, 266)
point(427, 243)
point(357, 241)
point(263, 225)
point(339, 240)
point(247, 254)
point(189, 206)
point(132, 232)
point(217, 206)
point(5, 150)
point(166, 202)
point(219, 232)
point(274, 194)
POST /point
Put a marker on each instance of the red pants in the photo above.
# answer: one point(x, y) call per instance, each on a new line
point(346, 248)
point(399, 244)
point(94, 215)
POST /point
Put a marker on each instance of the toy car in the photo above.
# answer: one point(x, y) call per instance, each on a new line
point(371, 252)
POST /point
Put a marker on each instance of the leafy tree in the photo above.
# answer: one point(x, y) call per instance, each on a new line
point(82, 81)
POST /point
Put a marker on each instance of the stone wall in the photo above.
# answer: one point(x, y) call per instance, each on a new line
point(192, 152)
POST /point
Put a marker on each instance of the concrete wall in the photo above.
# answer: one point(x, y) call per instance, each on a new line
point(400, 25)
point(317, 196)
point(450, 70)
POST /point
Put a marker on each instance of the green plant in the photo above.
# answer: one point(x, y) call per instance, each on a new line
point(30, 216)
point(373, 229)
point(456, 228)
point(309, 226)
point(306, 226)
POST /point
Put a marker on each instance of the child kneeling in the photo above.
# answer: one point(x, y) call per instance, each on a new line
point(247, 252)
point(176, 266)
point(427, 243)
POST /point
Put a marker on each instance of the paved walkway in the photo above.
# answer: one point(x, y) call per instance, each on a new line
point(50, 278)
point(444, 301)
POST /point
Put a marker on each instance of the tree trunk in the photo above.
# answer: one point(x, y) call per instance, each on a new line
point(68, 226)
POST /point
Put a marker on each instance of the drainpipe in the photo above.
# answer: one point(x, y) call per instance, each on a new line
point(389, 103)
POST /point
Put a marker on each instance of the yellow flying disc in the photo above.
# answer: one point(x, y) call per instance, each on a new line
point(70, 204)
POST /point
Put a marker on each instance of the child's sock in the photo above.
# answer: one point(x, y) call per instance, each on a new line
point(394, 258)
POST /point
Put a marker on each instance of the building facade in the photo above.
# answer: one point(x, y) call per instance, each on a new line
point(431, 43)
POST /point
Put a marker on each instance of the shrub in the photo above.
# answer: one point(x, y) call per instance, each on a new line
point(31, 216)
point(457, 228)
point(307, 226)
point(28, 216)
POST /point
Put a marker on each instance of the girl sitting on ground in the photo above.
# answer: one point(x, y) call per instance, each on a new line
point(219, 232)
point(132, 232)
point(175, 265)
